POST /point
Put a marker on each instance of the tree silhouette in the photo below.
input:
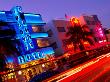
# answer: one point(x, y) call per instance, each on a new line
point(77, 34)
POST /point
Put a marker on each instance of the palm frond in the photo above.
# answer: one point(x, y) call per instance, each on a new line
point(78, 33)
point(91, 42)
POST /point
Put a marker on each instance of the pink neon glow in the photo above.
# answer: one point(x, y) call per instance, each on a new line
point(104, 40)
point(99, 28)
point(100, 32)
point(100, 41)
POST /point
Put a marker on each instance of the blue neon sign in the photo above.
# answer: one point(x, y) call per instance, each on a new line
point(35, 55)
point(24, 35)
point(22, 24)
point(29, 57)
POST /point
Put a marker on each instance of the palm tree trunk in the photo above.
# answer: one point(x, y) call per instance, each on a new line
point(81, 46)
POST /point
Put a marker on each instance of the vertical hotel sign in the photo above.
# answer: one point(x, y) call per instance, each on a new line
point(23, 34)
point(22, 24)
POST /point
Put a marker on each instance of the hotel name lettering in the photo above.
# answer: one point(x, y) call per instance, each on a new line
point(29, 57)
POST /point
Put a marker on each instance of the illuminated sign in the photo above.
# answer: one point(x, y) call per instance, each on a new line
point(35, 55)
point(100, 32)
point(22, 24)
point(29, 57)
point(23, 30)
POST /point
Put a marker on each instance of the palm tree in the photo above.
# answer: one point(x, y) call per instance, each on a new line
point(77, 34)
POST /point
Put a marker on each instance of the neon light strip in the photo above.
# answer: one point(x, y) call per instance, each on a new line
point(39, 35)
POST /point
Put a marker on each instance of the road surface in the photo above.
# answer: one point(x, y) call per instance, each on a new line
point(95, 70)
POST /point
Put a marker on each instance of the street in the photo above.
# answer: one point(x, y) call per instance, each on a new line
point(95, 70)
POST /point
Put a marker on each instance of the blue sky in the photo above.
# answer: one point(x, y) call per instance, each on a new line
point(51, 9)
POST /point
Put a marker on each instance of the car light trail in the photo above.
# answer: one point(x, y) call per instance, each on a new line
point(78, 69)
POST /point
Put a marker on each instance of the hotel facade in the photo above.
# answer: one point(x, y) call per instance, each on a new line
point(33, 46)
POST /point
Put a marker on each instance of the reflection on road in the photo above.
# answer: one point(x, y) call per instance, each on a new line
point(73, 71)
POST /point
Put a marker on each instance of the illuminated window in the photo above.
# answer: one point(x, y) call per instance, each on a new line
point(42, 42)
point(61, 29)
point(37, 29)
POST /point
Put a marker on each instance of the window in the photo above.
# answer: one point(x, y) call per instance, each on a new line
point(93, 22)
point(42, 42)
point(37, 29)
point(61, 29)
point(88, 22)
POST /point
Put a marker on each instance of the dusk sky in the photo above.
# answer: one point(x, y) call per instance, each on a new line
point(52, 9)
